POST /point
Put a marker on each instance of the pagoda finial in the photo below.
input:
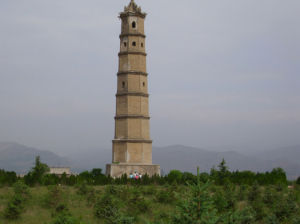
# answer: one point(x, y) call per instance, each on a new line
point(133, 8)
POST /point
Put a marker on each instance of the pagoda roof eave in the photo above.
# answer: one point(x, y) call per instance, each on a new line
point(126, 14)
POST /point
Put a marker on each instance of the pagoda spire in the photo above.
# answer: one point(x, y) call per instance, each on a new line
point(133, 8)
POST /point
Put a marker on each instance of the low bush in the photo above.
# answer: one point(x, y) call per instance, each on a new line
point(91, 196)
point(165, 196)
point(16, 204)
point(53, 197)
point(149, 190)
point(298, 181)
point(62, 215)
point(22, 190)
point(137, 204)
point(82, 188)
point(14, 208)
point(107, 208)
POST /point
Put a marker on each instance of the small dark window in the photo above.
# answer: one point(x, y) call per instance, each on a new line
point(125, 44)
point(142, 45)
point(133, 24)
point(144, 84)
point(123, 84)
point(134, 43)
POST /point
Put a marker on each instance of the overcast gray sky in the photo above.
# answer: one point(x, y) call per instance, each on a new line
point(221, 73)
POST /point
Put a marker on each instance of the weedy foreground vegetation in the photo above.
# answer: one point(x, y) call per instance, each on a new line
point(220, 196)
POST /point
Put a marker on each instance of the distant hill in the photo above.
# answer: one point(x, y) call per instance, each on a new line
point(286, 157)
point(290, 153)
point(20, 158)
point(90, 158)
point(188, 158)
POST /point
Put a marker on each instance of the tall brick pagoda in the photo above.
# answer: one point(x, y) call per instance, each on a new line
point(132, 145)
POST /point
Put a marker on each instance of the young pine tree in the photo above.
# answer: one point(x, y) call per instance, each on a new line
point(197, 207)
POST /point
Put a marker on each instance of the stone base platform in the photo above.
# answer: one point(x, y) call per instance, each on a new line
point(117, 170)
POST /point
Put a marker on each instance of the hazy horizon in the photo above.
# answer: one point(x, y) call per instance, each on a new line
point(221, 75)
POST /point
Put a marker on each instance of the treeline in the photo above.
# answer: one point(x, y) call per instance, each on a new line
point(220, 176)
point(7, 178)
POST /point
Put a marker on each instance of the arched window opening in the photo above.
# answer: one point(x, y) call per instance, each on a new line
point(144, 84)
point(125, 44)
point(123, 84)
point(133, 24)
point(142, 44)
point(134, 43)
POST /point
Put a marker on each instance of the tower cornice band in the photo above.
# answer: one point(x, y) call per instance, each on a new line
point(132, 35)
point(132, 52)
point(132, 73)
point(133, 94)
point(120, 117)
point(131, 141)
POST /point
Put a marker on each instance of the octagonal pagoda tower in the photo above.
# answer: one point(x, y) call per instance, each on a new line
point(132, 146)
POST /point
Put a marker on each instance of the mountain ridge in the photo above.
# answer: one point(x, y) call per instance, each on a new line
point(20, 158)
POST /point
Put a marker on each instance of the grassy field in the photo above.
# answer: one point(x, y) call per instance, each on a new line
point(37, 212)
point(153, 204)
point(40, 208)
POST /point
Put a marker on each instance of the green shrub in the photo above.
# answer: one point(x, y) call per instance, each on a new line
point(65, 219)
point(298, 181)
point(296, 220)
point(112, 190)
point(162, 215)
point(16, 204)
point(165, 196)
point(36, 173)
point(149, 190)
point(22, 190)
point(53, 197)
point(50, 179)
point(175, 177)
point(136, 191)
point(14, 208)
point(244, 216)
point(63, 216)
point(7, 178)
point(230, 195)
point(82, 188)
point(196, 207)
point(260, 210)
point(123, 219)
point(271, 219)
point(254, 193)
point(242, 192)
point(106, 208)
point(280, 187)
point(219, 200)
point(141, 205)
point(123, 192)
point(91, 196)
point(270, 196)
point(285, 207)
point(87, 191)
